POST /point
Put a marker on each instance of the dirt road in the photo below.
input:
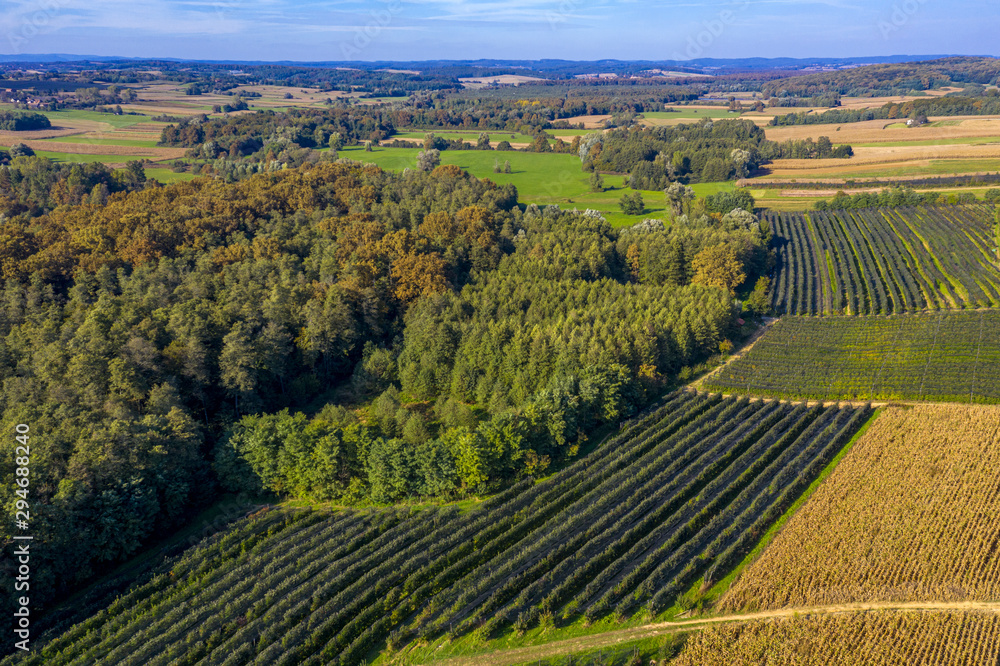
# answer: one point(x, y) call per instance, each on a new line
point(612, 638)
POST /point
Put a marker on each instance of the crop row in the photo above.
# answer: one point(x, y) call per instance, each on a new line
point(883, 261)
point(949, 356)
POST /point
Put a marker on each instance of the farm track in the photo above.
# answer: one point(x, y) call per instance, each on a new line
point(615, 637)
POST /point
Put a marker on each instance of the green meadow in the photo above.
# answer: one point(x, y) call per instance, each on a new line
point(111, 119)
point(693, 114)
point(540, 178)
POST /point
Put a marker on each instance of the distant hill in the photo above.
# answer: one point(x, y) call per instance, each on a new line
point(890, 78)
point(549, 68)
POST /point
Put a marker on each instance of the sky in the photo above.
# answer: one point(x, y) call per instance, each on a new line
point(325, 30)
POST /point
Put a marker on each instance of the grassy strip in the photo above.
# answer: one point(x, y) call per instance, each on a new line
point(658, 648)
point(723, 585)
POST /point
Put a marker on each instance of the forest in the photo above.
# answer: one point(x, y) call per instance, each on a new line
point(879, 80)
point(333, 332)
point(266, 132)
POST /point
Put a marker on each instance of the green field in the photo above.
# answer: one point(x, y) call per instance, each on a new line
point(694, 114)
point(706, 189)
point(947, 356)
point(540, 178)
point(111, 119)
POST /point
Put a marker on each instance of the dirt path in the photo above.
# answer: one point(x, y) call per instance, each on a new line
point(738, 353)
point(612, 638)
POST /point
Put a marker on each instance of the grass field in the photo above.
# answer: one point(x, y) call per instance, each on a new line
point(945, 356)
point(71, 115)
point(540, 178)
point(883, 261)
point(881, 638)
point(908, 515)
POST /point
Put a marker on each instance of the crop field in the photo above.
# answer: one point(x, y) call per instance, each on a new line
point(170, 98)
point(682, 492)
point(883, 638)
point(881, 131)
point(908, 515)
point(880, 261)
point(945, 356)
point(956, 145)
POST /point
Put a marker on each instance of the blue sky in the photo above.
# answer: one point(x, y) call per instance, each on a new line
point(523, 29)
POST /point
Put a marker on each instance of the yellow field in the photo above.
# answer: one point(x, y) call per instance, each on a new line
point(157, 153)
point(908, 515)
point(589, 122)
point(886, 638)
point(157, 98)
point(871, 131)
point(483, 81)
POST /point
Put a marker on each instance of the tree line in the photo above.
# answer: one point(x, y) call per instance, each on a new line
point(708, 151)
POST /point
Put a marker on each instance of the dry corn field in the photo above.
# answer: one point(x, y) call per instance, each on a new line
point(875, 638)
point(910, 514)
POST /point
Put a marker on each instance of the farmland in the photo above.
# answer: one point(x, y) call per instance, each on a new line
point(944, 356)
point(682, 492)
point(906, 516)
point(958, 145)
point(882, 638)
point(883, 261)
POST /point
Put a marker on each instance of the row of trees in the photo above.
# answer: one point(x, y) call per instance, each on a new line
point(17, 121)
point(893, 197)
